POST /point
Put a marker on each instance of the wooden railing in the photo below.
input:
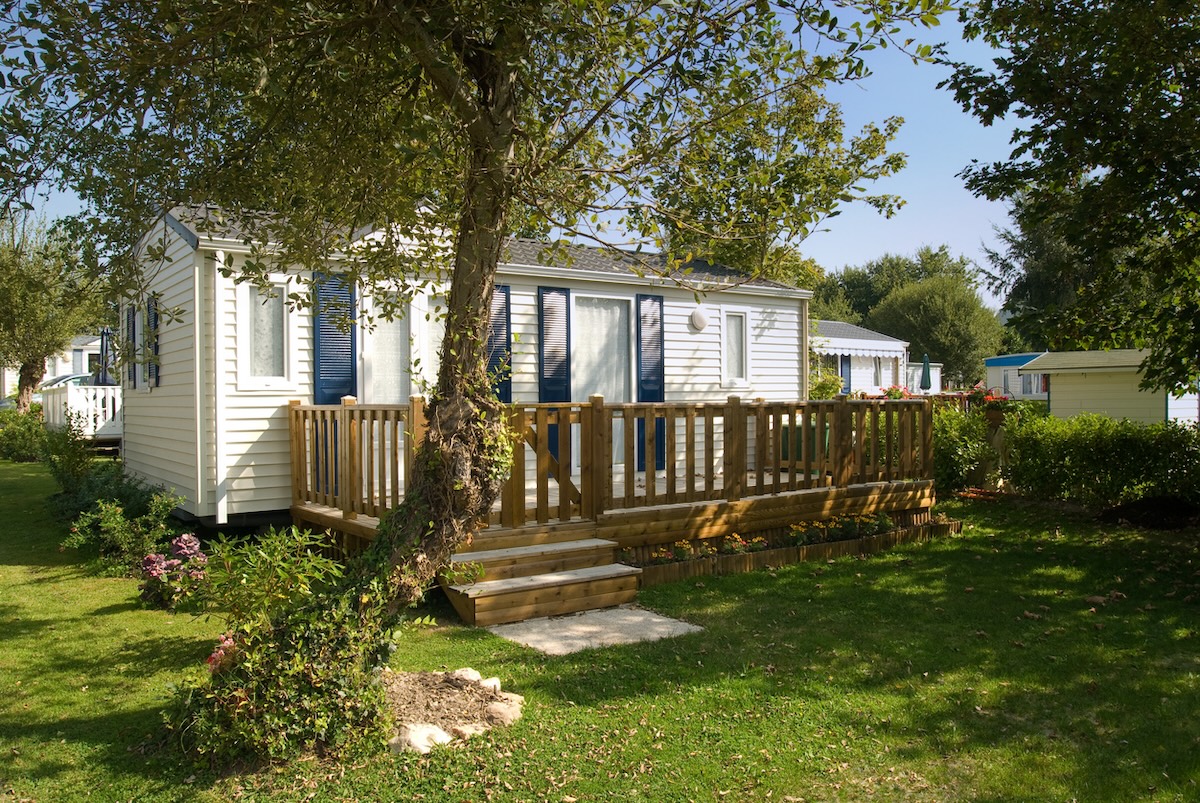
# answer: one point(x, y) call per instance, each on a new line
point(579, 460)
point(96, 409)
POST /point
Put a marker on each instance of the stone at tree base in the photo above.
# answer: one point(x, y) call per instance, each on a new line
point(468, 730)
point(443, 697)
point(504, 713)
point(419, 738)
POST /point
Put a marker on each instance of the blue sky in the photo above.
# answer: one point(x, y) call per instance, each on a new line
point(940, 140)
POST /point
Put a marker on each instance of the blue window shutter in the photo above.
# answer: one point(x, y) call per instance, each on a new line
point(131, 341)
point(651, 374)
point(845, 372)
point(554, 344)
point(554, 352)
point(152, 340)
point(499, 345)
point(334, 356)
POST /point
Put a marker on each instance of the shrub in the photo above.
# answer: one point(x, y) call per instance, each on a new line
point(960, 448)
point(121, 540)
point(249, 582)
point(166, 582)
point(106, 481)
point(1099, 461)
point(69, 454)
point(296, 667)
point(22, 436)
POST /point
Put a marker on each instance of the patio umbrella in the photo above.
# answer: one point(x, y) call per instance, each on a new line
point(926, 382)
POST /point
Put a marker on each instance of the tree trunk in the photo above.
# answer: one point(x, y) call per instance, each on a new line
point(464, 459)
point(28, 377)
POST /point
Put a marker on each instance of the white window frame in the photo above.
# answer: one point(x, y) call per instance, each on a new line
point(246, 381)
point(728, 377)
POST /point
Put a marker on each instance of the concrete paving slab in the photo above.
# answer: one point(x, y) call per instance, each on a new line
point(562, 635)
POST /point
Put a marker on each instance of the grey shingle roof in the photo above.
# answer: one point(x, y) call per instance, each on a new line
point(848, 331)
point(604, 260)
point(198, 221)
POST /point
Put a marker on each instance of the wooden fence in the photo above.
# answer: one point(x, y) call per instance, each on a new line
point(96, 410)
point(581, 460)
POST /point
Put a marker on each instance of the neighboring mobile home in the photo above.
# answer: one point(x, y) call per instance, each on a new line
point(913, 373)
point(867, 361)
point(206, 411)
point(1004, 375)
point(1106, 382)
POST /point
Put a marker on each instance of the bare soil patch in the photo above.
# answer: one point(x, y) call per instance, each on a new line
point(437, 698)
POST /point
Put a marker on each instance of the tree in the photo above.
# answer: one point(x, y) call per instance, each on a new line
point(1110, 99)
point(942, 316)
point(780, 163)
point(48, 299)
point(865, 287)
point(443, 126)
point(1054, 297)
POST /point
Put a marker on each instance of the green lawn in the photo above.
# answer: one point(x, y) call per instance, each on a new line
point(970, 668)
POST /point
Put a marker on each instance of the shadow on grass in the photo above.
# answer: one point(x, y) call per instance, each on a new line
point(1015, 637)
point(127, 743)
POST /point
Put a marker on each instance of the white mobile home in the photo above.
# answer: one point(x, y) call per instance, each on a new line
point(208, 417)
point(1106, 382)
point(1005, 376)
point(867, 361)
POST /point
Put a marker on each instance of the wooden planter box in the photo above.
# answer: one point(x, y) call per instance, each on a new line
point(784, 556)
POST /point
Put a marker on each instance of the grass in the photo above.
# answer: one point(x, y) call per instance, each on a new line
point(975, 667)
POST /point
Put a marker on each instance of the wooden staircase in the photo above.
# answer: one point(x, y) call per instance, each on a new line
point(510, 575)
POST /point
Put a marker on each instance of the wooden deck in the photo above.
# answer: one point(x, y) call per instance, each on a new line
point(579, 488)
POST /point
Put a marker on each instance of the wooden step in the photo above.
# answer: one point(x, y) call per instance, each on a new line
point(516, 599)
point(505, 538)
point(525, 561)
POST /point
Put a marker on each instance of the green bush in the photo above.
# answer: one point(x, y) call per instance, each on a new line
point(960, 448)
point(121, 539)
point(22, 436)
point(297, 666)
point(105, 481)
point(1099, 461)
point(249, 582)
point(69, 454)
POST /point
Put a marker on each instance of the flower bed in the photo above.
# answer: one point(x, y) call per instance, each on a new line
point(833, 538)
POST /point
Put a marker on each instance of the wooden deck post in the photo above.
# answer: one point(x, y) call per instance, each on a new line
point(512, 499)
point(593, 420)
point(927, 439)
point(843, 439)
point(296, 446)
point(350, 477)
point(413, 433)
point(735, 448)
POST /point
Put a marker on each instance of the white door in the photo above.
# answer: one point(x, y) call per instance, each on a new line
point(602, 356)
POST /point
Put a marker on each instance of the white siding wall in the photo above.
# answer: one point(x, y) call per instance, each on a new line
point(862, 374)
point(1005, 379)
point(1111, 393)
point(252, 425)
point(692, 359)
point(159, 441)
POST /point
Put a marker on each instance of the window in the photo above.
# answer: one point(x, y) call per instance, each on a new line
point(735, 352)
point(878, 380)
point(263, 339)
point(267, 340)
